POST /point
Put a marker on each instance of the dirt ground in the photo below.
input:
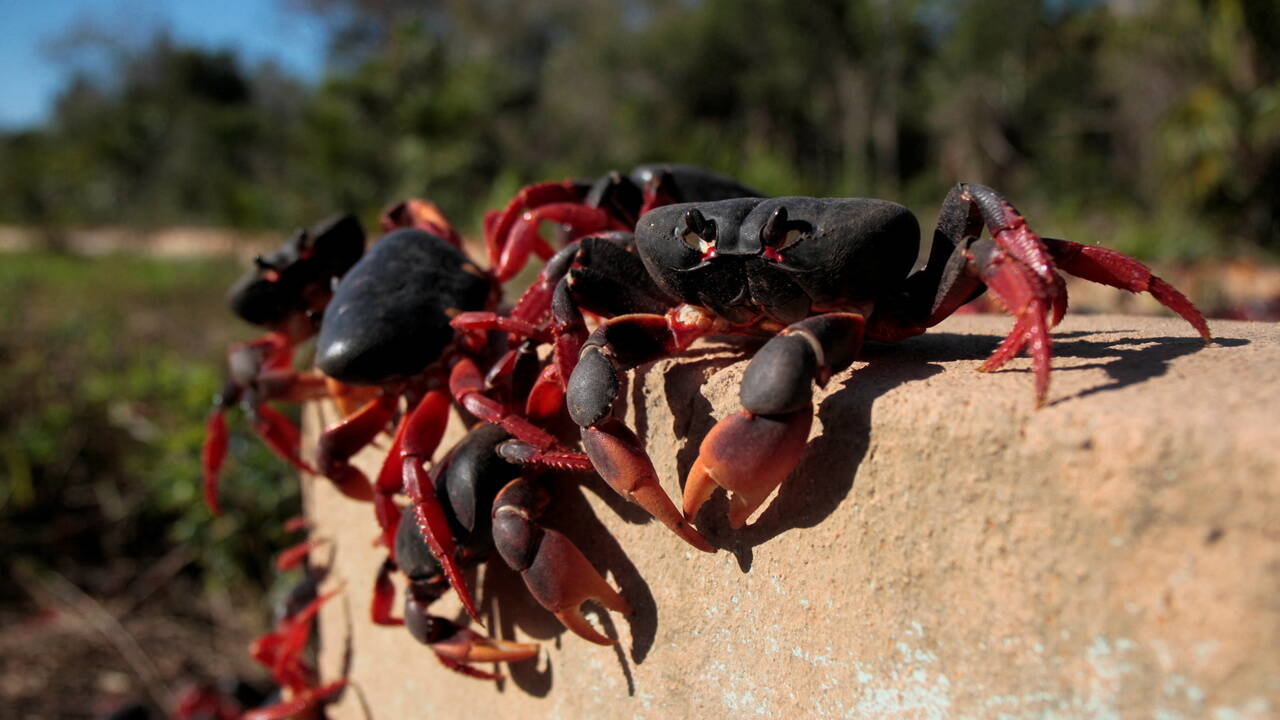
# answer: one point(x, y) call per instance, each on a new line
point(67, 655)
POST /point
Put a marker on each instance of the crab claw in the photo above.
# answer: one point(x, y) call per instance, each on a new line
point(620, 459)
point(456, 645)
point(556, 572)
point(214, 453)
point(748, 455)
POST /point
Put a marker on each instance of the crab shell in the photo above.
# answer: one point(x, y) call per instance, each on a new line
point(389, 318)
point(840, 252)
point(287, 277)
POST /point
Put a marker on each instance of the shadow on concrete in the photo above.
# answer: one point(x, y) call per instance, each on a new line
point(1131, 361)
point(826, 474)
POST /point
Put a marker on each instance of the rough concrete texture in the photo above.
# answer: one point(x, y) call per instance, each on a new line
point(943, 551)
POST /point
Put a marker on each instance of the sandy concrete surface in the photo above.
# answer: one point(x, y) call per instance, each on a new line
point(943, 551)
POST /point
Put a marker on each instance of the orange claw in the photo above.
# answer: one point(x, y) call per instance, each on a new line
point(748, 455)
point(469, 646)
point(561, 579)
point(617, 455)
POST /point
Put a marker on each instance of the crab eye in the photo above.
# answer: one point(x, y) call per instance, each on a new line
point(779, 233)
point(699, 233)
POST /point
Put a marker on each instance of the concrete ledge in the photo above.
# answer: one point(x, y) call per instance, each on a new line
point(943, 550)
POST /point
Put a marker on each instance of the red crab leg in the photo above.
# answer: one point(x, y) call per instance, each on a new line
point(1108, 267)
point(1029, 301)
point(299, 704)
point(525, 237)
point(556, 572)
point(480, 321)
point(386, 487)
point(384, 596)
point(434, 525)
point(296, 632)
point(281, 435)
point(546, 398)
point(212, 457)
point(292, 557)
point(539, 447)
point(420, 439)
point(467, 385)
point(498, 227)
point(339, 442)
point(427, 424)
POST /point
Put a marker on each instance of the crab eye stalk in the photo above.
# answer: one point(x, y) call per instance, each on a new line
point(780, 233)
point(699, 233)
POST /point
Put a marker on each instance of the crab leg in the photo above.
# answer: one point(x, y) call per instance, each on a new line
point(281, 435)
point(498, 227)
point(468, 387)
point(525, 238)
point(418, 434)
point(212, 457)
point(292, 557)
point(1021, 269)
point(556, 572)
point(339, 442)
point(752, 451)
point(298, 704)
point(427, 510)
point(384, 596)
point(456, 646)
point(1108, 267)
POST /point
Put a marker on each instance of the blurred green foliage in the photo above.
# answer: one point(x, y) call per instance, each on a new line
point(110, 364)
point(1151, 125)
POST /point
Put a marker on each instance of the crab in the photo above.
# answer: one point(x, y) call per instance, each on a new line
point(286, 293)
point(388, 327)
point(613, 201)
point(817, 277)
point(493, 501)
point(466, 484)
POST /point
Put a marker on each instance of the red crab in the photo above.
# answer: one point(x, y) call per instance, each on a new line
point(286, 293)
point(818, 276)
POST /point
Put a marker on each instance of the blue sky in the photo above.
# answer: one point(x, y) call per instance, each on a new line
point(31, 75)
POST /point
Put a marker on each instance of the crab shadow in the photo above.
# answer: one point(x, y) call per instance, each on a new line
point(508, 605)
point(827, 472)
point(822, 480)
